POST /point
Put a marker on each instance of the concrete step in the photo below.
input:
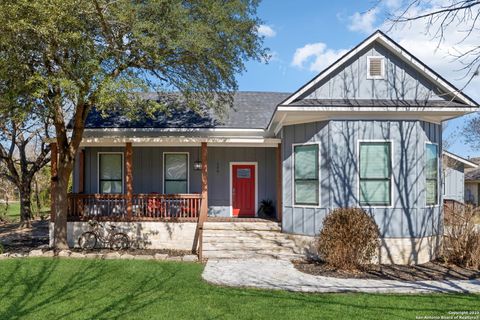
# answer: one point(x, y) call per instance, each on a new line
point(243, 226)
point(251, 255)
point(249, 247)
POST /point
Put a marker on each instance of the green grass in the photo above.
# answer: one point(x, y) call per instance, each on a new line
point(119, 289)
point(13, 213)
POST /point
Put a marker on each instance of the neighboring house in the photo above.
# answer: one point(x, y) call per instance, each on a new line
point(366, 132)
point(472, 182)
point(454, 176)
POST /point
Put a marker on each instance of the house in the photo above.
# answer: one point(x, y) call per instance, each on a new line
point(366, 132)
point(472, 181)
point(454, 176)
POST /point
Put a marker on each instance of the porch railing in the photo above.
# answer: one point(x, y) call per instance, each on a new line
point(146, 207)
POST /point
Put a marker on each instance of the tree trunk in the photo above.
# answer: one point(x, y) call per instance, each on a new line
point(25, 203)
point(37, 197)
point(61, 203)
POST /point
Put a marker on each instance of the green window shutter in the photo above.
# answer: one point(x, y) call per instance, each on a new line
point(306, 168)
point(375, 173)
point(431, 174)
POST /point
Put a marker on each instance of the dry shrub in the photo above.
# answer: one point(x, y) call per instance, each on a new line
point(462, 237)
point(349, 238)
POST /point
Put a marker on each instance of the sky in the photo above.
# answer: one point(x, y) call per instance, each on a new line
point(306, 36)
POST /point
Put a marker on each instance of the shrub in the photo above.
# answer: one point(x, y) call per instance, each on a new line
point(349, 238)
point(266, 209)
point(462, 236)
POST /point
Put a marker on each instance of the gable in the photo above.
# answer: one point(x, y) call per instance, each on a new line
point(406, 77)
point(400, 81)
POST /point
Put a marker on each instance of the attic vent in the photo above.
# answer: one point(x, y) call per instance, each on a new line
point(375, 67)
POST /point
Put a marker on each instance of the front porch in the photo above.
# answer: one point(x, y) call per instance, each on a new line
point(131, 187)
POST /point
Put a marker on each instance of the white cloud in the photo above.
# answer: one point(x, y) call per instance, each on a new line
point(315, 56)
point(266, 31)
point(363, 22)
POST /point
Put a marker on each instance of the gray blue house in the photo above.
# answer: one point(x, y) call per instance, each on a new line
point(366, 132)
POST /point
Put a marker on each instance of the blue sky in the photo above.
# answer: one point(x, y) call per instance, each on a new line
point(305, 36)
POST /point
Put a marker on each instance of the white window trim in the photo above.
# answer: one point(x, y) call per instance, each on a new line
point(231, 184)
point(188, 169)
point(98, 170)
point(438, 174)
point(293, 176)
point(369, 76)
point(392, 164)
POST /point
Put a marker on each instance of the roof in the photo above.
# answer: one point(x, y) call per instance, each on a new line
point(467, 163)
point(397, 50)
point(251, 110)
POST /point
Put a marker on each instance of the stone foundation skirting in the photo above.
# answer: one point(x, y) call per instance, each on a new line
point(409, 250)
point(391, 251)
point(145, 235)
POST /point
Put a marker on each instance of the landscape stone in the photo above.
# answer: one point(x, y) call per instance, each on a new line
point(190, 258)
point(127, 256)
point(174, 258)
point(143, 257)
point(64, 253)
point(112, 255)
point(93, 255)
point(36, 253)
point(48, 253)
point(160, 256)
point(77, 255)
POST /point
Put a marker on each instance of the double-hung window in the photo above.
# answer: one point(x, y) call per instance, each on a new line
point(306, 175)
point(110, 166)
point(375, 170)
point(431, 174)
point(175, 173)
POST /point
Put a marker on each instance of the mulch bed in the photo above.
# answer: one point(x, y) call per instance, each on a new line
point(435, 270)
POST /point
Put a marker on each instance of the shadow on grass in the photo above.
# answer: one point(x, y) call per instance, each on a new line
point(97, 289)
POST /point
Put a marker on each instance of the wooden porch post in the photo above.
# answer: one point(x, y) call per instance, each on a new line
point(205, 175)
point(81, 174)
point(278, 154)
point(53, 178)
point(129, 178)
point(198, 239)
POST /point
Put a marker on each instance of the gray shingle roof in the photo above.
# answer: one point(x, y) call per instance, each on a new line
point(251, 110)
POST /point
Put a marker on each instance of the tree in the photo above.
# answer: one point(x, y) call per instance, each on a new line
point(24, 152)
point(447, 18)
point(99, 53)
point(439, 19)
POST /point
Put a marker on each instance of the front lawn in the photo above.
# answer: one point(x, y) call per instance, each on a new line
point(13, 212)
point(105, 289)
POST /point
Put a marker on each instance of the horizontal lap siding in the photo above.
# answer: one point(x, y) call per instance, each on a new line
point(338, 142)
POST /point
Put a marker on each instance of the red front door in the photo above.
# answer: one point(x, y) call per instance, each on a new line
point(243, 190)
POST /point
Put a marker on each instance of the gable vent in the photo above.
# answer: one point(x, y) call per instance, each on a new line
point(375, 67)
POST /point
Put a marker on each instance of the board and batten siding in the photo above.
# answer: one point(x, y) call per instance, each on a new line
point(148, 171)
point(454, 182)
point(409, 216)
point(401, 82)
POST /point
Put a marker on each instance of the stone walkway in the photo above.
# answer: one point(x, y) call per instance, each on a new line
point(282, 275)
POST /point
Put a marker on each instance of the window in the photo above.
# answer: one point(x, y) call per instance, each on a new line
point(175, 173)
point(306, 175)
point(375, 67)
point(375, 173)
point(110, 172)
point(431, 174)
